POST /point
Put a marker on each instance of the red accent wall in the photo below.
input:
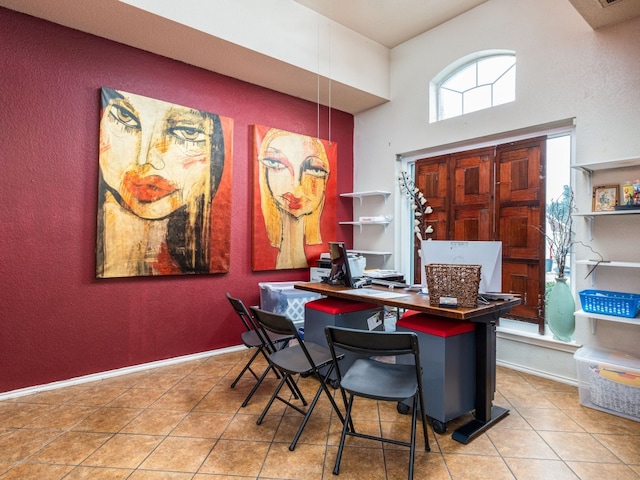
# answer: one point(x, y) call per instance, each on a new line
point(57, 321)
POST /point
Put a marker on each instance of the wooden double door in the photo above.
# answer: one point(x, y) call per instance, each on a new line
point(494, 193)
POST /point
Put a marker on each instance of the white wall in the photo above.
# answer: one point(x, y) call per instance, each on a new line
point(565, 70)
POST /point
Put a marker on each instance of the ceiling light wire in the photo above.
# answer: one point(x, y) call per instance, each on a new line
point(318, 82)
point(329, 59)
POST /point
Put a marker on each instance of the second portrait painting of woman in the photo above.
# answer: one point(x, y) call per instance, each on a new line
point(294, 200)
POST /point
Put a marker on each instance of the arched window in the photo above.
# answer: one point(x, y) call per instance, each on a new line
point(482, 80)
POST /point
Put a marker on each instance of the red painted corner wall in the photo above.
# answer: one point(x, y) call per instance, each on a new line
point(57, 321)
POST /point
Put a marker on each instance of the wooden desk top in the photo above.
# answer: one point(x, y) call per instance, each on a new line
point(412, 301)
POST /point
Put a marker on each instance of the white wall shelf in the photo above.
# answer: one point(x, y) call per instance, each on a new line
point(370, 193)
point(605, 264)
point(385, 223)
point(589, 169)
point(590, 216)
point(360, 224)
point(594, 317)
point(608, 165)
point(608, 263)
point(370, 252)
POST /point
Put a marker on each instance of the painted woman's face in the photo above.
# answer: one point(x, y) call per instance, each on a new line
point(296, 173)
point(154, 156)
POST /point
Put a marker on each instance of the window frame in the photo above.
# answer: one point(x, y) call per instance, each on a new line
point(437, 83)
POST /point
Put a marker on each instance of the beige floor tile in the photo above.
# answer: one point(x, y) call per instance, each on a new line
point(536, 469)
point(154, 422)
point(306, 462)
point(96, 395)
point(71, 448)
point(202, 424)
point(513, 421)
point(625, 447)
point(160, 380)
point(123, 451)
point(98, 473)
point(19, 444)
point(579, 447)
point(37, 471)
point(476, 467)
point(17, 415)
point(244, 427)
point(177, 399)
point(137, 397)
point(480, 445)
point(362, 463)
point(521, 444)
point(236, 457)
point(600, 471)
point(62, 417)
point(107, 419)
point(315, 431)
point(179, 454)
point(164, 475)
point(595, 421)
point(549, 419)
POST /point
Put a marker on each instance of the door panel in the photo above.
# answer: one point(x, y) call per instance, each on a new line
point(432, 178)
point(520, 207)
point(472, 209)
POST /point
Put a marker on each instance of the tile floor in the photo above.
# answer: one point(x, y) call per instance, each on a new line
point(184, 422)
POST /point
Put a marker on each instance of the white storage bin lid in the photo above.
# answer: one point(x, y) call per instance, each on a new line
point(608, 357)
point(276, 285)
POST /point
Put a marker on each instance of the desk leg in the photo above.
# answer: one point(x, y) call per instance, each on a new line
point(485, 412)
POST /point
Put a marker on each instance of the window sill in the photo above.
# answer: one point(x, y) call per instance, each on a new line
point(528, 333)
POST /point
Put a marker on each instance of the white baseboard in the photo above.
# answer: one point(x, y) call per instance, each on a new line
point(538, 373)
point(521, 348)
point(115, 373)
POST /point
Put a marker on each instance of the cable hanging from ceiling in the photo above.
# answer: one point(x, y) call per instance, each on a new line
point(318, 80)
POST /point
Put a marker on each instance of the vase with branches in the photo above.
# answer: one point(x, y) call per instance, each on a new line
point(559, 233)
point(418, 205)
point(559, 302)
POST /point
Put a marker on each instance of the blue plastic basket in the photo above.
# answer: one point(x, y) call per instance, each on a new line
point(610, 303)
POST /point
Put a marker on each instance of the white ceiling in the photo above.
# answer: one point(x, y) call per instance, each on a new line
point(386, 22)
point(390, 22)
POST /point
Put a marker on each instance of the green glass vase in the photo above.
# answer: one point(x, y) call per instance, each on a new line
point(560, 311)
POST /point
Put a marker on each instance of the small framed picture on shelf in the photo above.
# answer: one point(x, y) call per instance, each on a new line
point(605, 197)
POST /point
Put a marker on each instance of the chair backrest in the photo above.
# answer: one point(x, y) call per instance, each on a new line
point(278, 324)
point(243, 313)
point(373, 343)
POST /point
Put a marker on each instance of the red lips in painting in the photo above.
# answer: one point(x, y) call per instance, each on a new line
point(148, 189)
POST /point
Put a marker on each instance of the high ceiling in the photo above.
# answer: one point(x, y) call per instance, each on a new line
point(387, 23)
point(390, 22)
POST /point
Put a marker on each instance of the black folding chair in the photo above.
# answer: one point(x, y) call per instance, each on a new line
point(253, 338)
point(301, 359)
point(378, 380)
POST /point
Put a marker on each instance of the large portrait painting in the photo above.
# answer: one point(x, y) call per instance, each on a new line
point(164, 204)
point(294, 198)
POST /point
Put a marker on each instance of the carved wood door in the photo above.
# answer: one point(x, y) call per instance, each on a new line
point(472, 209)
point(432, 178)
point(493, 193)
point(520, 208)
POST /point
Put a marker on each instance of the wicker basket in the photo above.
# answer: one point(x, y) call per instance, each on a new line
point(612, 395)
point(459, 281)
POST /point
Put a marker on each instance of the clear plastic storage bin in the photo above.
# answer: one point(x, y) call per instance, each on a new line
point(609, 381)
point(282, 298)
